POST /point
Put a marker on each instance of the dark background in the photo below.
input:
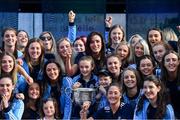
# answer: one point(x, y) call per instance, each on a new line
point(90, 6)
point(82, 6)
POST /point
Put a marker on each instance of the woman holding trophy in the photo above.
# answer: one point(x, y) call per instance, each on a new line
point(116, 109)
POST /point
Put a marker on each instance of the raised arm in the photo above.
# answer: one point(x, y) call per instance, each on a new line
point(21, 70)
point(108, 22)
point(71, 69)
point(72, 26)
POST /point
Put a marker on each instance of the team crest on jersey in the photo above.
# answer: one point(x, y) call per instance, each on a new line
point(107, 109)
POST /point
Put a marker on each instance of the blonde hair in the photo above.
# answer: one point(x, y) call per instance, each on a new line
point(59, 58)
point(132, 37)
point(53, 47)
point(169, 35)
point(132, 58)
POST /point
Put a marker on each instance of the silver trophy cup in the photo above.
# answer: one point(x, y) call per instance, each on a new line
point(81, 95)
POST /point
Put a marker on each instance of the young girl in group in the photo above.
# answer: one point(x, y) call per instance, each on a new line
point(49, 109)
point(154, 103)
point(49, 44)
point(159, 49)
point(123, 50)
point(141, 48)
point(8, 65)
point(66, 57)
point(10, 106)
point(57, 86)
point(154, 35)
point(22, 40)
point(34, 60)
point(171, 77)
point(79, 44)
point(32, 102)
point(131, 82)
point(79, 47)
point(116, 36)
point(146, 66)
point(86, 79)
point(113, 64)
point(95, 47)
point(9, 36)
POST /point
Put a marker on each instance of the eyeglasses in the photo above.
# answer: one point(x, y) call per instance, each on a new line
point(44, 38)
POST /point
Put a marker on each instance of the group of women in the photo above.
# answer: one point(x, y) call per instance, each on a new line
point(141, 78)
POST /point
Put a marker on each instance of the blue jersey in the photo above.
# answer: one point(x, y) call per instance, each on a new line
point(132, 100)
point(124, 111)
point(92, 83)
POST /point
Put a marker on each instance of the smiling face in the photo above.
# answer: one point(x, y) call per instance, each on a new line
point(139, 50)
point(34, 91)
point(22, 39)
point(52, 71)
point(151, 90)
point(159, 51)
point(7, 64)
point(113, 65)
point(114, 95)
point(154, 37)
point(123, 51)
point(96, 44)
point(146, 67)
point(171, 62)
point(6, 87)
point(130, 79)
point(105, 80)
point(64, 48)
point(86, 67)
point(47, 41)
point(34, 51)
point(10, 38)
point(116, 35)
point(79, 46)
point(49, 109)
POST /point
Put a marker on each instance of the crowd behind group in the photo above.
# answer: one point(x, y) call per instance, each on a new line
point(137, 78)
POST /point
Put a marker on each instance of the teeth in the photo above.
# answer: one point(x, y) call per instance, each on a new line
point(130, 82)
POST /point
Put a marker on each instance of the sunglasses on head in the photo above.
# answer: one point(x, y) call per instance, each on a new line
point(44, 38)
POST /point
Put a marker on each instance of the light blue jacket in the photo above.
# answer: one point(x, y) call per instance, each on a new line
point(142, 115)
point(103, 102)
point(65, 98)
point(21, 84)
point(132, 102)
point(15, 110)
point(72, 33)
point(106, 37)
point(19, 54)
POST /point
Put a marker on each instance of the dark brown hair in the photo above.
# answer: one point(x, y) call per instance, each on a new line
point(162, 97)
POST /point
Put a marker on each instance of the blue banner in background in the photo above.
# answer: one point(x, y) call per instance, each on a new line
point(86, 23)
